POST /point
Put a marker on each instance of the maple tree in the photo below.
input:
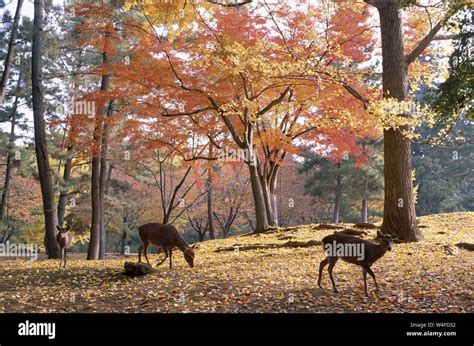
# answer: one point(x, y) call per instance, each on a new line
point(240, 85)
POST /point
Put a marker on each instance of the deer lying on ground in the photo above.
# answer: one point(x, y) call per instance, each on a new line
point(64, 238)
point(353, 250)
point(167, 237)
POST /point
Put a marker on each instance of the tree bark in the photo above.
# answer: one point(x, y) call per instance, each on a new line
point(103, 181)
point(64, 191)
point(337, 199)
point(261, 221)
point(9, 167)
point(267, 199)
point(95, 238)
point(10, 52)
point(210, 210)
point(399, 206)
point(273, 194)
point(122, 243)
point(364, 211)
point(41, 148)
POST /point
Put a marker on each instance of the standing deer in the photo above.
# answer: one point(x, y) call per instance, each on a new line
point(167, 237)
point(368, 254)
point(64, 238)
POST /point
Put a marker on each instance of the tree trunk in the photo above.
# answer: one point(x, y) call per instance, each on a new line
point(10, 52)
point(363, 211)
point(41, 148)
point(103, 182)
point(9, 167)
point(399, 206)
point(96, 224)
point(210, 211)
point(267, 199)
point(109, 176)
point(257, 192)
point(122, 243)
point(94, 244)
point(273, 195)
point(64, 191)
point(337, 200)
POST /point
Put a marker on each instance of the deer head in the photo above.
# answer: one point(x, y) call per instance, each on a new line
point(189, 255)
point(386, 239)
point(63, 230)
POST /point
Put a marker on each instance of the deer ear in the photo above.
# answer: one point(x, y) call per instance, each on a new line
point(57, 226)
point(68, 228)
point(195, 246)
point(379, 234)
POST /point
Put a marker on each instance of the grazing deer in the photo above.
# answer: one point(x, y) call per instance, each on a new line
point(167, 237)
point(361, 252)
point(64, 238)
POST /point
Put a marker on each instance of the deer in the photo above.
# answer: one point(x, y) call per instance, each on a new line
point(64, 238)
point(336, 246)
point(167, 237)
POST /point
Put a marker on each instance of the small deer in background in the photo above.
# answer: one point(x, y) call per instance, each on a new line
point(370, 254)
point(167, 237)
point(64, 238)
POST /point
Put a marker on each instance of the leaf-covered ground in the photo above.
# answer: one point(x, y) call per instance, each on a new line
point(415, 277)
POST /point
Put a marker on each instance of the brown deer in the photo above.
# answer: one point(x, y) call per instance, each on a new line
point(64, 238)
point(353, 250)
point(167, 237)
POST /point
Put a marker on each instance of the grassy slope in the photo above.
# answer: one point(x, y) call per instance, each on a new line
point(412, 277)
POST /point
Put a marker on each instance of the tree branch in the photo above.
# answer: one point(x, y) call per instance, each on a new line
point(425, 42)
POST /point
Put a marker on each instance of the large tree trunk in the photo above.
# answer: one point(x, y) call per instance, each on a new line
point(10, 52)
point(399, 206)
point(337, 199)
point(259, 202)
point(41, 148)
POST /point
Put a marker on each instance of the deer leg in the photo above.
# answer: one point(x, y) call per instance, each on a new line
point(166, 256)
point(323, 263)
point(140, 248)
point(61, 260)
point(171, 256)
point(332, 263)
point(145, 251)
point(371, 273)
point(65, 257)
point(364, 275)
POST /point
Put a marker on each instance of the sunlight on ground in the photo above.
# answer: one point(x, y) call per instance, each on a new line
point(415, 277)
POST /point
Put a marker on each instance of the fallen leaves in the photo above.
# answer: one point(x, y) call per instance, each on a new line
point(413, 277)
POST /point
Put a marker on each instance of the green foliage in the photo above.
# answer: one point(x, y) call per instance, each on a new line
point(457, 92)
point(444, 175)
point(357, 181)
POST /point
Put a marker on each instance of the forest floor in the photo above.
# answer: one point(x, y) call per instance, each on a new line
point(430, 276)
